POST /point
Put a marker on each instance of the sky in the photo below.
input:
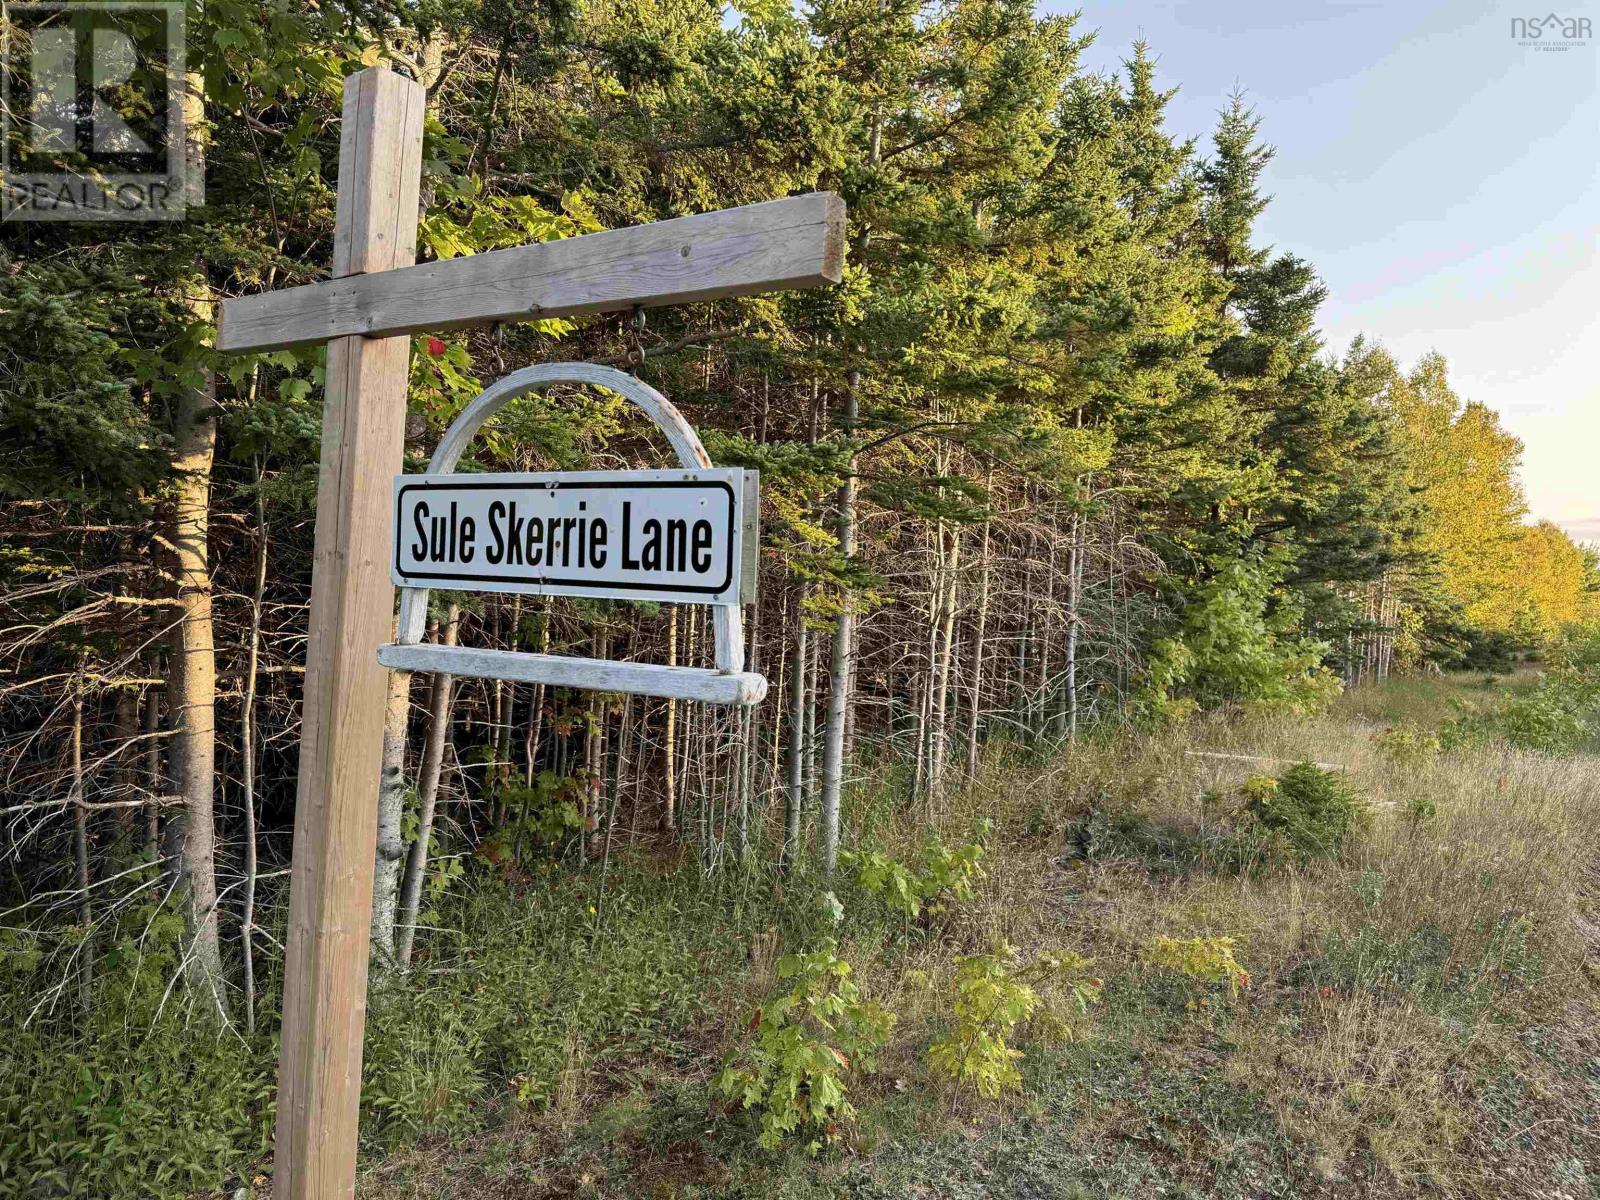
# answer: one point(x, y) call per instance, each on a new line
point(1443, 178)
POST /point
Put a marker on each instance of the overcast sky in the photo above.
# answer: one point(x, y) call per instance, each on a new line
point(1442, 178)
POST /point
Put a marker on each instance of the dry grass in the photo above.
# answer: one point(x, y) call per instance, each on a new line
point(1422, 1017)
point(1389, 983)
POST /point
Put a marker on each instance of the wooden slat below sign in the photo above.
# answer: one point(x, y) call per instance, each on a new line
point(775, 246)
point(593, 674)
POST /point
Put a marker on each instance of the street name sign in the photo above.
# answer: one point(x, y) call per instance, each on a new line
point(684, 535)
point(670, 535)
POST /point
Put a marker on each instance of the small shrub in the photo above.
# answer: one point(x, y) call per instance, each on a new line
point(1312, 809)
point(994, 993)
point(139, 1094)
point(808, 1040)
point(1419, 808)
point(1560, 715)
point(1240, 643)
point(941, 876)
point(1202, 959)
point(538, 820)
point(1408, 745)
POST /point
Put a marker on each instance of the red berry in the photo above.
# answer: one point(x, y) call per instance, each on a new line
point(435, 347)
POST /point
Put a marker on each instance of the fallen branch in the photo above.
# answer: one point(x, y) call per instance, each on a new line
point(1262, 758)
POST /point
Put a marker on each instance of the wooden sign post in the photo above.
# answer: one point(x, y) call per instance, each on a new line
point(336, 803)
point(366, 314)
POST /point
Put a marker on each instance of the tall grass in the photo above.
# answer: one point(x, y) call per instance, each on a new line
point(558, 1036)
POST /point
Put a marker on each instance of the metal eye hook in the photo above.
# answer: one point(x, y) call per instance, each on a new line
point(498, 330)
point(636, 328)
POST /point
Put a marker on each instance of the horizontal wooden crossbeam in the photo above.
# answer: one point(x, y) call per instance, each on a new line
point(593, 674)
point(780, 245)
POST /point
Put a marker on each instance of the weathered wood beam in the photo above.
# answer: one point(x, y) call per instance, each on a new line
point(594, 674)
point(776, 246)
point(335, 815)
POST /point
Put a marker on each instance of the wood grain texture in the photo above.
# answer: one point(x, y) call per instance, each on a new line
point(325, 985)
point(779, 245)
point(593, 674)
point(378, 231)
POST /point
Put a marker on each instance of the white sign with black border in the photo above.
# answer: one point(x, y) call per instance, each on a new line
point(673, 535)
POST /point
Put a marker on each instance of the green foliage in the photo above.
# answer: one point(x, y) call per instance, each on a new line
point(1239, 644)
point(942, 875)
point(424, 1067)
point(996, 992)
point(1311, 809)
point(807, 1041)
point(1423, 963)
point(1419, 808)
point(1560, 715)
point(475, 1018)
point(539, 818)
point(1202, 959)
point(1409, 746)
point(146, 1096)
point(70, 427)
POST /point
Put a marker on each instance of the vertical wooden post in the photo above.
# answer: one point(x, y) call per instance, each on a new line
point(352, 607)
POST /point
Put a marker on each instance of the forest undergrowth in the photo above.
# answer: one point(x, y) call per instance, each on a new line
point(1351, 954)
point(1413, 1014)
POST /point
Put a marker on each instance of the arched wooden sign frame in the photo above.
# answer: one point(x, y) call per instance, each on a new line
point(728, 683)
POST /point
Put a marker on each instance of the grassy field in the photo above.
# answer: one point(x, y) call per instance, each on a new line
point(1420, 1016)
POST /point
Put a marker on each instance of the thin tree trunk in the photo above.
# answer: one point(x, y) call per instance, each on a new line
point(748, 746)
point(152, 773)
point(427, 799)
point(669, 801)
point(391, 846)
point(1074, 617)
point(247, 767)
point(80, 845)
point(974, 711)
point(126, 722)
point(842, 651)
point(782, 703)
point(813, 684)
point(530, 746)
point(947, 642)
point(800, 699)
point(502, 752)
point(192, 683)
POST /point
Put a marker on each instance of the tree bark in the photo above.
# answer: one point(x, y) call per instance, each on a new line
point(800, 699)
point(974, 712)
point(391, 846)
point(951, 538)
point(152, 773)
point(80, 844)
point(247, 769)
point(530, 744)
point(192, 689)
point(669, 799)
point(192, 673)
point(427, 800)
point(841, 651)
